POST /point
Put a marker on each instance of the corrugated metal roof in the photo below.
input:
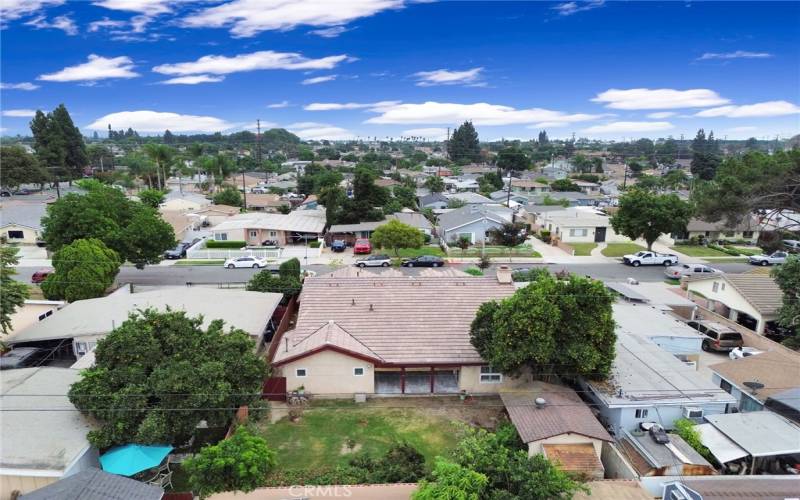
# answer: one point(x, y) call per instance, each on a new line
point(576, 458)
point(303, 221)
point(760, 433)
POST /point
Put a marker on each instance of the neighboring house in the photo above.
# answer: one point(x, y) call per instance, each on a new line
point(613, 489)
point(552, 420)
point(181, 222)
point(215, 214)
point(587, 187)
point(502, 195)
point(748, 230)
point(187, 202)
point(19, 233)
point(266, 202)
point(658, 325)
point(31, 312)
point(351, 232)
point(675, 458)
point(786, 403)
point(42, 446)
point(579, 225)
point(649, 384)
point(528, 186)
point(558, 169)
point(386, 183)
point(414, 219)
point(87, 321)
point(20, 221)
point(94, 484)
point(459, 184)
point(750, 299)
point(469, 198)
point(771, 369)
point(574, 198)
point(255, 228)
point(299, 166)
point(732, 488)
point(434, 201)
point(386, 334)
point(473, 222)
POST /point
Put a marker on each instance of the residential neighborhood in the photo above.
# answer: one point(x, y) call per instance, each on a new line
point(372, 250)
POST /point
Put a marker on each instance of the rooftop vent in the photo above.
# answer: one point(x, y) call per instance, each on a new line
point(540, 403)
point(371, 308)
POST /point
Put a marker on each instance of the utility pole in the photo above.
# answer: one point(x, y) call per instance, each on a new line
point(258, 142)
point(244, 189)
point(446, 152)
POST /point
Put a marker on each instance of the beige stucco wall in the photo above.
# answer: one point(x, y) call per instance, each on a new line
point(469, 380)
point(23, 484)
point(728, 296)
point(29, 235)
point(28, 315)
point(611, 236)
point(535, 447)
point(330, 373)
point(723, 235)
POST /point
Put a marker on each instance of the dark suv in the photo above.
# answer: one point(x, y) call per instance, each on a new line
point(719, 337)
point(338, 246)
point(22, 357)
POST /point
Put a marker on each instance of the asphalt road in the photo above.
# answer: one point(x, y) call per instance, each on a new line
point(180, 275)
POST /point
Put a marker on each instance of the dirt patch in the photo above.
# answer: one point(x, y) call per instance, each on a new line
point(346, 449)
point(485, 411)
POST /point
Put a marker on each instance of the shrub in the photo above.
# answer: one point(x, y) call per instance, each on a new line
point(474, 271)
point(685, 429)
point(228, 196)
point(544, 235)
point(315, 244)
point(484, 262)
point(729, 251)
point(290, 269)
point(225, 244)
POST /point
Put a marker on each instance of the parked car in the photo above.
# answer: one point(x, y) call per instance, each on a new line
point(778, 257)
point(424, 261)
point(792, 245)
point(338, 246)
point(22, 357)
point(375, 261)
point(718, 336)
point(362, 246)
point(648, 258)
point(249, 261)
point(270, 243)
point(681, 270)
point(5, 193)
point(178, 252)
point(743, 352)
point(41, 275)
point(22, 192)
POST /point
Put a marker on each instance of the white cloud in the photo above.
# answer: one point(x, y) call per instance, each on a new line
point(18, 86)
point(433, 133)
point(628, 127)
point(336, 106)
point(262, 60)
point(742, 129)
point(739, 54)
point(661, 115)
point(247, 18)
point(19, 113)
point(569, 8)
point(542, 125)
point(278, 105)
point(331, 32)
point(481, 113)
point(192, 80)
point(63, 23)
point(659, 98)
point(156, 121)
point(149, 7)
point(318, 79)
point(314, 131)
point(448, 77)
point(95, 26)
point(14, 9)
point(761, 109)
point(96, 68)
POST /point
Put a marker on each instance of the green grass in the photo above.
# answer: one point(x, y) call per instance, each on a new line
point(620, 249)
point(200, 262)
point(319, 438)
point(495, 251)
point(672, 281)
point(583, 249)
point(416, 252)
point(698, 251)
point(746, 251)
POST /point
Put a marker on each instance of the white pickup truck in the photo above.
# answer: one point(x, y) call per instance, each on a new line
point(648, 258)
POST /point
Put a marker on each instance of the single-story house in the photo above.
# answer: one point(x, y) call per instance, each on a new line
point(87, 321)
point(748, 229)
point(574, 198)
point(181, 222)
point(732, 488)
point(433, 200)
point(40, 447)
point(20, 221)
point(386, 183)
point(255, 228)
point(94, 484)
point(473, 222)
point(580, 225)
point(470, 198)
point(657, 295)
point(20, 233)
point(775, 370)
point(31, 312)
point(529, 186)
point(557, 169)
point(265, 202)
point(786, 403)
point(554, 421)
point(454, 184)
point(750, 299)
point(389, 335)
point(215, 214)
point(351, 232)
point(501, 196)
point(649, 384)
point(414, 219)
point(649, 458)
point(587, 187)
point(188, 202)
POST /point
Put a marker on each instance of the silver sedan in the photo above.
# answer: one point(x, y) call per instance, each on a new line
point(679, 271)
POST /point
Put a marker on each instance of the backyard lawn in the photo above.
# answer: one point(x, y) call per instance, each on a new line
point(620, 249)
point(698, 251)
point(414, 252)
point(583, 249)
point(523, 250)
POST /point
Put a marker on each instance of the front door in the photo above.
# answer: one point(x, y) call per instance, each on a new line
point(599, 234)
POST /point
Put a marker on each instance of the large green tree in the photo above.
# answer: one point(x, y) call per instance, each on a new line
point(463, 146)
point(550, 326)
point(705, 155)
point(20, 167)
point(135, 231)
point(513, 160)
point(59, 144)
point(161, 155)
point(647, 215)
point(435, 184)
point(152, 197)
point(239, 463)
point(13, 293)
point(396, 235)
point(787, 277)
point(228, 196)
point(510, 234)
point(84, 269)
point(159, 374)
point(451, 481)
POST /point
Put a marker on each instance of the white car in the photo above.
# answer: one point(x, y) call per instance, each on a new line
point(681, 270)
point(767, 260)
point(743, 352)
point(375, 261)
point(249, 261)
point(647, 258)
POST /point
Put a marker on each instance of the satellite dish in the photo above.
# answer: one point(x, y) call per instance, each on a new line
point(754, 386)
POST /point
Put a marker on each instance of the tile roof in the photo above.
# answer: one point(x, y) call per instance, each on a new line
point(219, 209)
point(304, 221)
point(613, 489)
point(738, 487)
point(576, 458)
point(401, 319)
point(265, 200)
point(777, 370)
point(522, 183)
point(564, 412)
point(94, 484)
point(330, 334)
point(759, 289)
point(746, 224)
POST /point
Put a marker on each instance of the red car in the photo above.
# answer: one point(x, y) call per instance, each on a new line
point(362, 246)
point(41, 275)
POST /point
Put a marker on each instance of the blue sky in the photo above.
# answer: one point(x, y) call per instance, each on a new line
point(355, 68)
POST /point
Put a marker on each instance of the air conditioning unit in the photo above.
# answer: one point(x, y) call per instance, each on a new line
point(693, 412)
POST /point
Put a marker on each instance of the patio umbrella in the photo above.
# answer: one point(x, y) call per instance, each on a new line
point(130, 459)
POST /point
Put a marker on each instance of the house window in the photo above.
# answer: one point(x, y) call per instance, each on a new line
point(641, 413)
point(747, 235)
point(358, 371)
point(490, 376)
point(729, 234)
point(725, 386)
point(253, 234)
point(44, 315)
point(715, 286)
point(81, 348)
point(16, 235)
point(221, 236)
point(300, 372)
point(578, 232)
point(273, 234)
point(749, 404)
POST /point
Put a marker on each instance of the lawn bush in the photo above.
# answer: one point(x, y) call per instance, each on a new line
point(474, 271)
point(225, 244)
point(685, 429)
point(727, 250)
point(315, 244)
point(544, 235)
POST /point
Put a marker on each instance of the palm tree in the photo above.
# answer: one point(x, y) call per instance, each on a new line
point(161, 154)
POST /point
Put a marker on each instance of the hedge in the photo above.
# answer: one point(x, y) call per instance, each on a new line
point(225, 244)
point(314, 244)
point(727, 250)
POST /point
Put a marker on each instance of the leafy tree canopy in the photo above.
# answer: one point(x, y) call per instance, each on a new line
point(787, 277)
point(84, 269)
point(158, 361)
point(267, 282)
point(290, 269)
point(20, 167)
point(152, 197)
point(513, 159)
point(643, 214)
point(228, 196)
point(435, 184)
point(510, 234)
point(396, 235)
point(463, 145)
point(451, 481)
point(564, 185)
point(13, 293)
point(59, 144)
point(705, 155)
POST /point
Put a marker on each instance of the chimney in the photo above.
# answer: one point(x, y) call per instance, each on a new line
point(504, 274)
point(540, 403)
point(371, 308)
